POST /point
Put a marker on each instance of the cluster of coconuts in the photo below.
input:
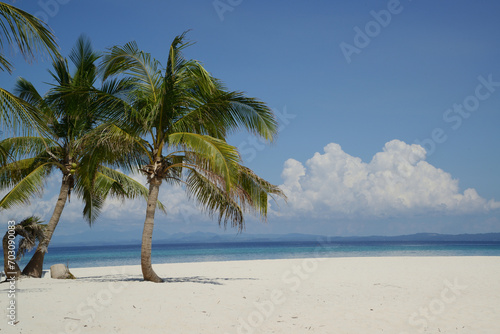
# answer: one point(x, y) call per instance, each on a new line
point(73, 168)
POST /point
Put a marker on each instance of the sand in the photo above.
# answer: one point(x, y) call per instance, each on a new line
point(400, 295)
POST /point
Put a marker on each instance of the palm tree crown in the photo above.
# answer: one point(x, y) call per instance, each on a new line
point(31, 230)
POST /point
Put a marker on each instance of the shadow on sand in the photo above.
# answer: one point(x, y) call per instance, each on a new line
point(192, 279)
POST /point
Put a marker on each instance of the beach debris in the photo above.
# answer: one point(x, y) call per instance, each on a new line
point(60, 271)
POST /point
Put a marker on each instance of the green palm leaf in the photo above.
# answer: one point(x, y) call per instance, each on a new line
point(16, 148)
point(25, 31)
point(29, 186)
point(254, 191)
point(30, 230)
point(19, 116)
point(220, 157)
point(214, 200)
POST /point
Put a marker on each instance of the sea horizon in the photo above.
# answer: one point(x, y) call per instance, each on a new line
point(129, 254)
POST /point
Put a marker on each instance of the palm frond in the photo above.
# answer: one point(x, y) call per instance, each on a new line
point(139, 65)
point(254, 191)
point(114, 145)
point(214, 200)
point(19, 116)
point(219, 113)
point(28, 33)
point(26, 91)
point(84, 59)
point(13, 172)
point(29, 186)
point(93, 204)
point(31, 230)
point(220, 157)
point(60, 71)
point(16, 148)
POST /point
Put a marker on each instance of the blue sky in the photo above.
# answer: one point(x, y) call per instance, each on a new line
point(356, 86)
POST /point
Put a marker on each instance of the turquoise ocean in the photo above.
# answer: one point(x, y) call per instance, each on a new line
point(117, 255)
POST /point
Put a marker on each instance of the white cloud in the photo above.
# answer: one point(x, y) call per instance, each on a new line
point(178, 206)
point(397, 181)
point(115, 211)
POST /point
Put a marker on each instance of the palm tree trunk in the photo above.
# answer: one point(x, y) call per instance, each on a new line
point(147, 233)
point(34, 267)
point(9, 271)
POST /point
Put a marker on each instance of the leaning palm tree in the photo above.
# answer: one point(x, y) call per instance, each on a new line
point(31, 231)
point(68, 146)
point(29, 35)
point(178, 118)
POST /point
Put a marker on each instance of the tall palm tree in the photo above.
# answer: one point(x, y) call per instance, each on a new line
point(31, 231)
point(178, 117)
point(69, 145)
point(30, 35)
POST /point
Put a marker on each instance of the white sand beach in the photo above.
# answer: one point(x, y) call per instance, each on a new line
point(336, 295)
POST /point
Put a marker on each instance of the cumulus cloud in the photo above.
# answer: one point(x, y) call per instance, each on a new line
point(397, 181)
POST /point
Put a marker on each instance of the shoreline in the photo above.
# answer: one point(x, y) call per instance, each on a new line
point(450, 294)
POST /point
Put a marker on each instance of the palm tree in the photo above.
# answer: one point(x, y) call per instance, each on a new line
point(68, 145)
point(30, 35)
point(178, 118)
point(31, 231)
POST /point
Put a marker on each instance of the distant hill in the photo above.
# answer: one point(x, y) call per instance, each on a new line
point(420, 237)
point(203, 237)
